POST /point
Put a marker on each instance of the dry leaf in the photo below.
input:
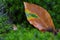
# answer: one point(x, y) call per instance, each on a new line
point(39, 17)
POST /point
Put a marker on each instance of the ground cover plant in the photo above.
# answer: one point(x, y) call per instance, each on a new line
point(25, 31)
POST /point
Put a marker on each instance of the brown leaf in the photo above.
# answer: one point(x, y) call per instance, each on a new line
point(44, 21)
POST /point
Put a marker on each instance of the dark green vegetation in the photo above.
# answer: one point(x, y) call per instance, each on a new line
point(5, 23)
point(15, 10)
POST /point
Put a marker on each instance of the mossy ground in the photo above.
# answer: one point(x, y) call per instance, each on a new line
point(28, 34)
point(25, 31)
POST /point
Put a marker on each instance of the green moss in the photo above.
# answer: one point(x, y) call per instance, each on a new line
point(15, 9)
